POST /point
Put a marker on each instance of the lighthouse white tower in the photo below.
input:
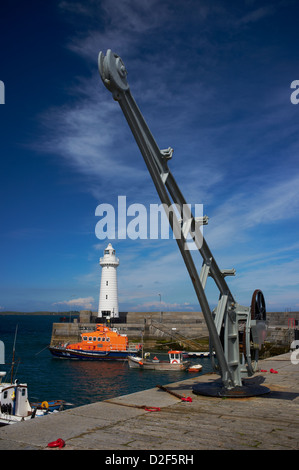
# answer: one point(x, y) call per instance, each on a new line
point(108, 304)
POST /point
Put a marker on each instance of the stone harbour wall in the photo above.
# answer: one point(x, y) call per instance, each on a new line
point(153, 327)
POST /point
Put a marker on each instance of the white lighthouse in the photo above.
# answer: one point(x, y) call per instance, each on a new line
point(108, 304)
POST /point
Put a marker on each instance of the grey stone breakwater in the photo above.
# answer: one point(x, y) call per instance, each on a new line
point(187, 328)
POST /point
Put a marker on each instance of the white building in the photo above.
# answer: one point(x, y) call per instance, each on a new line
point(108, 304)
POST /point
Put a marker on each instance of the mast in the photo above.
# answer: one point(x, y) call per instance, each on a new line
point(13, 355)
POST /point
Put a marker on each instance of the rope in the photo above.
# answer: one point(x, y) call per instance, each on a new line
point(181, 397)
point(142, 407)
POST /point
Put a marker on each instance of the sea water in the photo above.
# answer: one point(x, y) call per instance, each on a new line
point(76, 381)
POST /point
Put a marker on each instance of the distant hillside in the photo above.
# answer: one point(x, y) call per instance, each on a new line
point(8, 312)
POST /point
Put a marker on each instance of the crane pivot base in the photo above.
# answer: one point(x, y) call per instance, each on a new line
point(216, 389)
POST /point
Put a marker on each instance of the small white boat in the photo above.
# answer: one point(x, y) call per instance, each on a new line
point(199, 354)
point(195, 368)
point(14, 403)
point(175, 362)
point(15, 406)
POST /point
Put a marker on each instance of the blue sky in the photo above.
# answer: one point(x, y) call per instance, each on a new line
point(212, 79)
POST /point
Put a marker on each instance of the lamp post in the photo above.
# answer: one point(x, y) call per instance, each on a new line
point(160, 308)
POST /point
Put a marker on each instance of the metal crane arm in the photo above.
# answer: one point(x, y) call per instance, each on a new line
point(114, 76)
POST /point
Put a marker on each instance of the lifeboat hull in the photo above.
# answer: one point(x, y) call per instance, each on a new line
point(67, 353)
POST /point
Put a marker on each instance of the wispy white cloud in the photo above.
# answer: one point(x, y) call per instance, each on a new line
point(113, 24)
point(90, 132)
point(257, 14)
point(84, 302)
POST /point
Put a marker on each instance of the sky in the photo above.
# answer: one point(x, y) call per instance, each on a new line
point(213, 81)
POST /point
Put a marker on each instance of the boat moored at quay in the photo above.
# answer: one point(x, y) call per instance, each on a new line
point(15, 406)
point(175, 362)
point(14, 403)
point(104, 343)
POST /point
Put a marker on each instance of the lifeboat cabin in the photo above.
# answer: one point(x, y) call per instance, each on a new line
point(103, 339)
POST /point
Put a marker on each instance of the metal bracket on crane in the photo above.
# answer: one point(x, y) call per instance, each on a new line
point(236, 333)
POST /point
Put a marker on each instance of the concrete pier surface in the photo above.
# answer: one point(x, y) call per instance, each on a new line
point(265, 422)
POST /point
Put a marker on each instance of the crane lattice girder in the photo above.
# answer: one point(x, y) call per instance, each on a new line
point(227, 313)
